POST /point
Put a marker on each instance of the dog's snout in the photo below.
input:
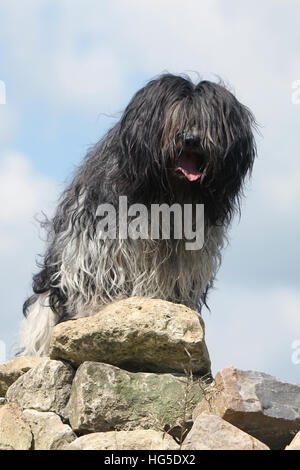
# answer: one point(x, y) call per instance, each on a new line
point(191, 140)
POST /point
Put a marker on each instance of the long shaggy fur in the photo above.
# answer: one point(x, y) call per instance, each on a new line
point(139, 158)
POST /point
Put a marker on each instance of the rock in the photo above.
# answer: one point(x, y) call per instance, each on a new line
point(106, 398)
point(49, 433)
point(46, 387)
point(10, 371)
point(3, 401)
point(295, 444)
point(15, 433)
point(259, 404)
point(124, 440)
point(210, 432)
point(136, 334)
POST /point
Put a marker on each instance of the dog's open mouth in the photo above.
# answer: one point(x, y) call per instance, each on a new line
point(190, 165)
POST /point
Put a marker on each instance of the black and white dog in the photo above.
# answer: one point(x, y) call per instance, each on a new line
point(176, 142)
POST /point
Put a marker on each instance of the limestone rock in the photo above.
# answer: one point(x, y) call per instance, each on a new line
point(295, 444)
point(15, 433)
point(259, 404)
point(10, 371)
point(106, 398)
point(49, 433)
point(136, 334)
point(210, 432)
point(46, 387)
point(124, 440)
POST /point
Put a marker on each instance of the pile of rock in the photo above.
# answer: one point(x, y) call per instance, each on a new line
point(135, 376)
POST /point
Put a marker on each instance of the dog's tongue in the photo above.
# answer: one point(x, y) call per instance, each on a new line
point(188, 165)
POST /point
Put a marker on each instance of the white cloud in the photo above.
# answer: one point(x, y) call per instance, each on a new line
point(254, 330)
point(8, 122)
point(87, 55)
point(283, 191)
point(93, 79)
point(288, 305)
point(23, 193)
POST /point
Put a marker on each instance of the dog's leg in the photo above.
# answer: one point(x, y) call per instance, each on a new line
point(36, 328)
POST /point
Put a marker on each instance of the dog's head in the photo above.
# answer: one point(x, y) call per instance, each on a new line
point(175, 134)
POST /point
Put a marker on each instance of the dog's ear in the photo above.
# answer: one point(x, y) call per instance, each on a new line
point(241, 142)
point(227, 126)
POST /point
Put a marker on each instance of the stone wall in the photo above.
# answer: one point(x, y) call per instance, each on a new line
point(137, 376)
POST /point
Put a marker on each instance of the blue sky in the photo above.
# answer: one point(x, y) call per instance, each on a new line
point(71, 66)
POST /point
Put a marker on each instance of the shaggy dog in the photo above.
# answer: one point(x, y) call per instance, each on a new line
point(176, 142)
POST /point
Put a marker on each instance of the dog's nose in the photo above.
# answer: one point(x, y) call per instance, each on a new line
point(191, 140)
